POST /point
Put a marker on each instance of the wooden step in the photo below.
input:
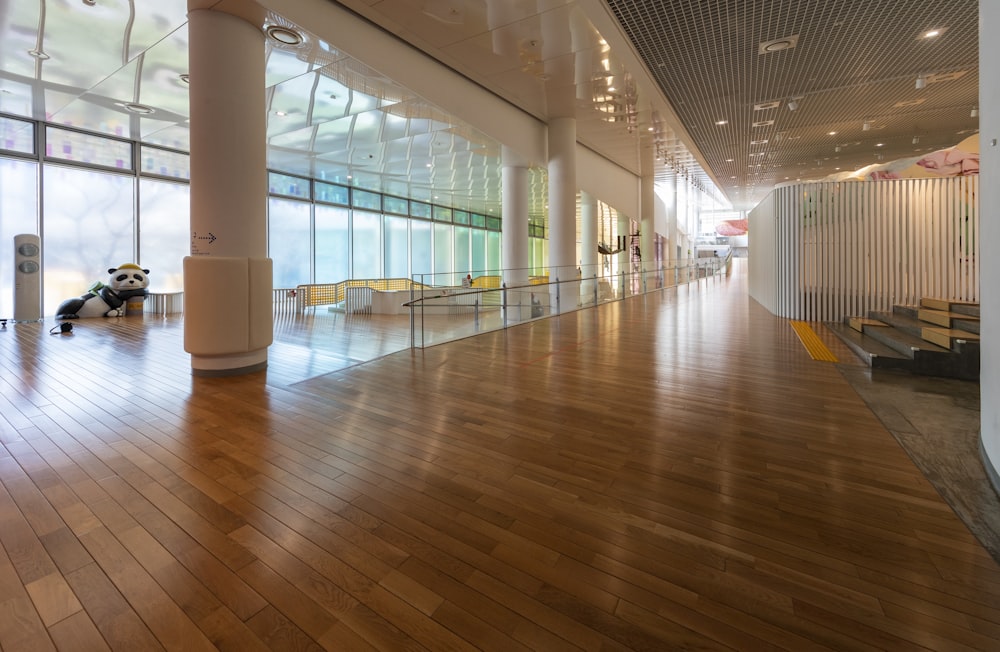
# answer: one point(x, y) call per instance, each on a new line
point(947, 305)
point(947, 337)
point(942, 317)
point(859, 323)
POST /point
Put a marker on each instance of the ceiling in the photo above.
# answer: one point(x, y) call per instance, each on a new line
point(693, 79)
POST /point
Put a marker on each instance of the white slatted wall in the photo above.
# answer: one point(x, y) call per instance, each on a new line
point(830, 250)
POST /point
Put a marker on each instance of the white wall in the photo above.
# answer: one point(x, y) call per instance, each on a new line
point(989, 135)
point(763, 264)
point(843, 249)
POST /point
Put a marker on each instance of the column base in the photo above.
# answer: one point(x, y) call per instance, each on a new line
point(235, 364)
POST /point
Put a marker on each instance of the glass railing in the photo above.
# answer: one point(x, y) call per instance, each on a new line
point(448, 307)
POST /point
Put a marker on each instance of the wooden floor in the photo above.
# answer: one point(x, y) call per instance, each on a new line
point(669, 472)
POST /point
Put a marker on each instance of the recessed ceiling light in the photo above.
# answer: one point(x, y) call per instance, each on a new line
point(722, 122)
point(284, 35)
point(831, 133)
point(779, 44)
point(280, 114)
point(135, 107)
point(933, 33)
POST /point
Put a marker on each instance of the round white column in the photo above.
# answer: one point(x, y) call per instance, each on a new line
point(589, 261)
point(647, 223)
point(227, 283)
point(514, 237)
point(562, 211)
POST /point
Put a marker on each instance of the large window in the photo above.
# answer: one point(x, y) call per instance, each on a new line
point(463, 261)
point(96, 211)
point(333, 244)
point(89, 227)
point(444, 260)
point(18, 214)
point(479, 265)
point(397, 247)
point(164, 232)
point(493, 248)
point(422, 248)
point(288, 241)
point(367, 249)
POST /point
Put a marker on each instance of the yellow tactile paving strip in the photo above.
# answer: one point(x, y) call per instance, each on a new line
point(817, 350)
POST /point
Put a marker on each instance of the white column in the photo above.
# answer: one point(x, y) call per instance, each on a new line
point(989, 198)
point(589, 261)
point(228, 321)
point(562, 211)
point(514, 237)
point(647, 224)
point(625, 255)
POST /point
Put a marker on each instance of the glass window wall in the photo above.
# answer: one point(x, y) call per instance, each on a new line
point(18, 214)
point(422, 249)
point(333, 244)
point(164, 232)
point(397, 247)
point(89, 227)
point(288, 231)
point(367, 245)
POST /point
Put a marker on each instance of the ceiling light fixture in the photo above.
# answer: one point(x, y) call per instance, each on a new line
point(722, 122)
point(792, 105)
point(185, 77)
point(140, 109)
point(38, 54)
point(284, 35)
point(916, 139)
point(974, 113)
point(866, 126)
point(778, 44)
point(921, 82)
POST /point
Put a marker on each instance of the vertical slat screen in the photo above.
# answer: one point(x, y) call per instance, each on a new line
point(830, 250)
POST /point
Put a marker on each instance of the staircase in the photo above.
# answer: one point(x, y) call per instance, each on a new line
point(936, 338)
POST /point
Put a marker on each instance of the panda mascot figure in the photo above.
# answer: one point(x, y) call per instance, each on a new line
point(108, 300)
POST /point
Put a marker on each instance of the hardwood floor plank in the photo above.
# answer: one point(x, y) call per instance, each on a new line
point(77, 632)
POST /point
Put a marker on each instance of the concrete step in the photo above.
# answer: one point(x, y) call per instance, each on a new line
point(903, 318)
point(875, 354)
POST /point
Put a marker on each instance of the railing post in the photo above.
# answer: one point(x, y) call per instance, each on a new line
point(595, 289)
point(621, 288)
point(503, 300)
point(413, 324)
point(475, 319)
point(558, 306)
